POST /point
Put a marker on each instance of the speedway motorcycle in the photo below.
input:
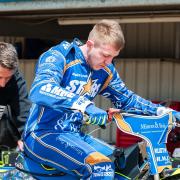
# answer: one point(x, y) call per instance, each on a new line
point(135, 162)
point(154, 131)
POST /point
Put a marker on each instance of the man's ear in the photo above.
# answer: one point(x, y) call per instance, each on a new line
point(90, 43)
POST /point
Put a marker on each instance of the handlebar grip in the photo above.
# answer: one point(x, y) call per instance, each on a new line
point(102, 126)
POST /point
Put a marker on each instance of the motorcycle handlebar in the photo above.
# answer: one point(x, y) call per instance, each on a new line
point(133, 112)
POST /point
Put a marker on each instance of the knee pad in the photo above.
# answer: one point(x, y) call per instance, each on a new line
point(102, 166)
point(96, 158)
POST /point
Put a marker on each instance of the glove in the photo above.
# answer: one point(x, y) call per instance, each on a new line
point(164, 110)
point(96, 115)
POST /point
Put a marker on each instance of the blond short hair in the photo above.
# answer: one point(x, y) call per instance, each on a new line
point(8, 56)
point(108, 31)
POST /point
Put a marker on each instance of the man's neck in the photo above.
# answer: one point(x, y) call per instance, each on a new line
point(84, 51)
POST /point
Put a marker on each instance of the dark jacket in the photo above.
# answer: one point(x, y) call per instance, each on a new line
point(15, 95)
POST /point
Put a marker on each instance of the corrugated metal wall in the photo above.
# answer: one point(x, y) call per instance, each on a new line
point(27, 67)
point(151, 40)
point(153, 79)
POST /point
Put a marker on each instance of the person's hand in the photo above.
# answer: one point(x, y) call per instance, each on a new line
point(163, 110)
point(96, 115)
point(111, 112)
point(20, 145)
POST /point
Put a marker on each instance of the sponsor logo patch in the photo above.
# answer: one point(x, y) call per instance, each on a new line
point(55, 91)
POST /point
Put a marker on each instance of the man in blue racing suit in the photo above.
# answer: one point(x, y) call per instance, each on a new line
point(68, 78)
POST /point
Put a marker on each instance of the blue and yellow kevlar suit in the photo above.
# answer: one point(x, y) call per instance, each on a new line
point(65, 83)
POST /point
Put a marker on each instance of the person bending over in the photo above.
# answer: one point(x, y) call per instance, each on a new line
point(14, 103)
point(68, 77)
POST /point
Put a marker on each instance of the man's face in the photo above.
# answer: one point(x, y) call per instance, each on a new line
point(100, 55)
point(5, 76)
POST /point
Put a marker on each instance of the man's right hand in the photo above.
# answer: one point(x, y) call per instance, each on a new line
point(111, 112)
point(96, 115)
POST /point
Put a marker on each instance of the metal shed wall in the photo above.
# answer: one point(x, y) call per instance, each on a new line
point(153, 79)
point(151, 40)
point(143, 40)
